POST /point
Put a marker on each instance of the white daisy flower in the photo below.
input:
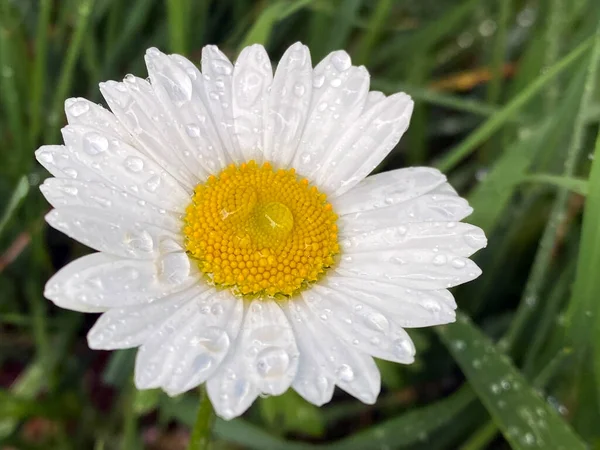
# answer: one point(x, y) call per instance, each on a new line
point(238, 240)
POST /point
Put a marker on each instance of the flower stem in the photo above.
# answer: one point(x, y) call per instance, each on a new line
point(200, 439)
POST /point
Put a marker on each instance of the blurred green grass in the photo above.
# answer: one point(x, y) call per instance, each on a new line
point(507, 105)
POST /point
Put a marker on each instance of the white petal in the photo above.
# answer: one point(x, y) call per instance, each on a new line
point(360, 325)
point(312, 382)
point(124, 167)
point(131, 326)
point(230, 389)
point(373, 98)
point(203, 344)
point(217, 73)
point(389, 188)
point(365, 144)
point(96, 282)
point(252, 78)
point(288, 106)
point(81, 111)
point(61, 192)
point(109, 232)
point(62, 163)
point(159, 354)
point(271, 353)
point(460, 239)
point(427, 208)
point(406, 307)
point(352, 370)
point(135, 104)
point(418, 269)
point(338, 97)
point(176, 88)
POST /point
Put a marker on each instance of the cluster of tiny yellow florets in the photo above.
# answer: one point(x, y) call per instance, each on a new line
point(260, 231)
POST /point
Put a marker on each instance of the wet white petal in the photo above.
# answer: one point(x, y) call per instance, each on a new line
point(124, 167)
point(404, 306)
point(217, 73)
point(338, 95)
point(352, 370)
point(152, 128)
point(130, 326)
point(388, 189)
point(81, 111)
point(360, 325)
point(252, 78)
point(61, 192)
point(288, 105)
point(203, 343)
point(458, 238)
point(364, 145)
point(96, 282)
point(418, 269)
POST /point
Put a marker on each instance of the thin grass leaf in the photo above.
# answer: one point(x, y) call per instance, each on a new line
point(343, 22)
point(577, 185)
point(19, 193)
point(83, 13)
point(490, 126)
point(375, 26)
point(525, 419)
point(263, 26)
point(178, 13)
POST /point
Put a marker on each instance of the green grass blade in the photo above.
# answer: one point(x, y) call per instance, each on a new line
point(525, 419)
point(490, 126)
point(375, 27)
point(177, 17)
point(65, 79)
point(17, 197)
point(577, 185)
point(343, 22)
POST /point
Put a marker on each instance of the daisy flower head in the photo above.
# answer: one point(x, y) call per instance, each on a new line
point(240, 241)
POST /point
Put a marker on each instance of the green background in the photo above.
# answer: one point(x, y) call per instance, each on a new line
point(507, 104)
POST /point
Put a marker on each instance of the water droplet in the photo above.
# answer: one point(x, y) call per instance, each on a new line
point(134, 164)
point(94, 143)
point(272, 362)
point(458, 263)
point(344, 373)
point(153, 183)
point(299, 89)
point(336, 82)
point(322, 106)
point(141, 241)
point(192, 130)
point(78, 108)
point(213, 339)
point(318, 81)
point(70, 172)
point(341, 61)
point(377, 322)
point(45, 156)
point(439, 260)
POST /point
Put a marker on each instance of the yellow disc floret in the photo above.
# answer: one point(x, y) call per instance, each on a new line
point(260, 231)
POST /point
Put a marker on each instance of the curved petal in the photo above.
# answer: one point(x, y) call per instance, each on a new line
point(271, 353)
point(427, 208)
point(373, 98)
point(81, 111)
point(217, 73)
point(389, 188)
point(360, 325)
point(125, 167)
point(338, 96)
point(230, 389)
point(203, 343)
point(152, 128)
point(62, 163)
point(288, 105)
point(174, 88)
point(408, 308)
point(364, 145)
point(417, 269)
point(97, 282)
point(62, 192)
point(461, 239)
point(109, 232)
point(131, 326)
point(160, 353)
point(353, 371)
point(252, 78)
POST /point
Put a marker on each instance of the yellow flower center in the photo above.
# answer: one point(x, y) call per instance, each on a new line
point(260, 231)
